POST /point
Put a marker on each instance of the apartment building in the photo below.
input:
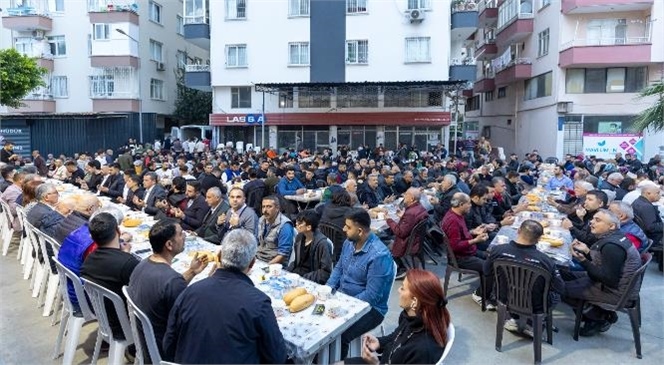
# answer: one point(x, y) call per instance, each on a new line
point(562, 76)
point(111, 71)
point(324, 73)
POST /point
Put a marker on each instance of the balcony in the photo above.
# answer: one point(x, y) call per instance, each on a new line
point(486, 49)
point(515, 22)
point(39, 100)
point(114, 61)
point(28, 18)
point(515, 70)
point(112, 6)
point(114, 89)
point(603, 52)
point(464, 18)
point(485, 84)
point(198, 77)
point(488, 13)
point(463, 70)
point(197, 22)
point(39, 51)
point(604, 6)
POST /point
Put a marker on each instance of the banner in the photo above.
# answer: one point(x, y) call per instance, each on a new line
point(604, 145)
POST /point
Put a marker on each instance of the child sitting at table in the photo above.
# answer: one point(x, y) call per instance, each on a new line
point(313, 251)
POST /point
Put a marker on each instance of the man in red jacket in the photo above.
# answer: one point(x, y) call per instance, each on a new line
point(408, 219)
point(464, 242)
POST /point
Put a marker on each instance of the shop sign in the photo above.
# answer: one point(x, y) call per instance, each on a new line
point(248, 119)
point(606, 145)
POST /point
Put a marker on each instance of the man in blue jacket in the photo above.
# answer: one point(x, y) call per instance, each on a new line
point(365, 271)
point(289, 184)
point(225, 319)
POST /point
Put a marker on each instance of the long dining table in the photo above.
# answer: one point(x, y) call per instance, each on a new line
point(306, 334)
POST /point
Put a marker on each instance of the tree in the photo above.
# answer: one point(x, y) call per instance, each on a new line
point(19, 74)
point(653, 117)
point(191, 106)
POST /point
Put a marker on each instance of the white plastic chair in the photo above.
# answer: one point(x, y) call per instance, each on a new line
point(51, 278)
point(68, 322)
point(451, 334)
point(34, 267)
point(355, 348)
point(147, 332)
point(24, 246)
point(97, 294)
point(6, 226)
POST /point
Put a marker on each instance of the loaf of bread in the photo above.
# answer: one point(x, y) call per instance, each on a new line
point(552, 240)
point(131, 222)
point(288, 297)
point(211, 256)
point(301, 302)
point(534, 208)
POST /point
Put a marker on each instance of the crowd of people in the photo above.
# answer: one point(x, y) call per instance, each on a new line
point(239, 201)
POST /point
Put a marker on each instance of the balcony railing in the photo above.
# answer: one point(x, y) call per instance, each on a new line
point(197, 68)
point(196, 11)
point(468, 61)
point(605, 42)
point(515, 61)
point(482, 41)
point(513, 9)
point(36, 51)
point(114, 83)
point(464, 5)
point(28, 8)
point(112, 5)
point(486, 4)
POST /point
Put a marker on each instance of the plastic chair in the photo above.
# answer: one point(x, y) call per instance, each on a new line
point(451, 334)
point(429, 247)
point(255, 197)
point(51, 279)
point(34, 266)
point(145, 332)
point(625, 304)
point(22, 247)
point(97, 295)
point(336, 235)
point(415, 260)
point(520, 279)
point(68, 322)
point(452, 265)
point(6, 226)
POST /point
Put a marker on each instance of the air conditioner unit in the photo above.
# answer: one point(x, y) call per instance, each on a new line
point(38, 34)
point(564, 107)
point(161, 66)
point(416, 15)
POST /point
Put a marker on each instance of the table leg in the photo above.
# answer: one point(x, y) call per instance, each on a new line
point(335, 350)
point(324, 355)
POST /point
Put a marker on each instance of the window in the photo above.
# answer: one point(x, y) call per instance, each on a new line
point(356, 6)
point(155, 12)
point(502, 92)
point(155, 51)
point(298, 54)
point(236, 9)
point(101, 32)
point(602, 32)
point(357, 52)
point(180, 59)
point(57, 6)
point(23, 45)
point(101, 86)
point(357, 97)
point(543, 43)
point(412, 98)
point(418, 50)
point(241, 97)
point(156, 89)
point(298, 7)
point(488, 96)
point(538, 86)
point(473, 103)
point(236, 55)
point(418, 4)
point(313, 99)
point(545, 3)
point(179, 24)
point(286, 99)
point(58, 45)
point(59, 87)
point(606, 80)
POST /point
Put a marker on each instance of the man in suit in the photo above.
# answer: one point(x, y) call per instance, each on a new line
point(192, 217)
point(74, 173)
point(113, 185)
point(153, 193)
point(43, 215)
point(209, 230)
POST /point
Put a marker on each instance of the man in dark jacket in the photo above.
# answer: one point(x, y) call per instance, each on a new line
point(647, 215)
point(74, 173)
point(578, 222)
point(313, 251)
point(153, 193)
point(216, 307)
point(40, 163)
point(113, 186)
point(609, 266)
point(192, 217)
point(209, 230)
point(369, 193)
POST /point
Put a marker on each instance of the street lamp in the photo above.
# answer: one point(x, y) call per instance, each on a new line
point(140, 96)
